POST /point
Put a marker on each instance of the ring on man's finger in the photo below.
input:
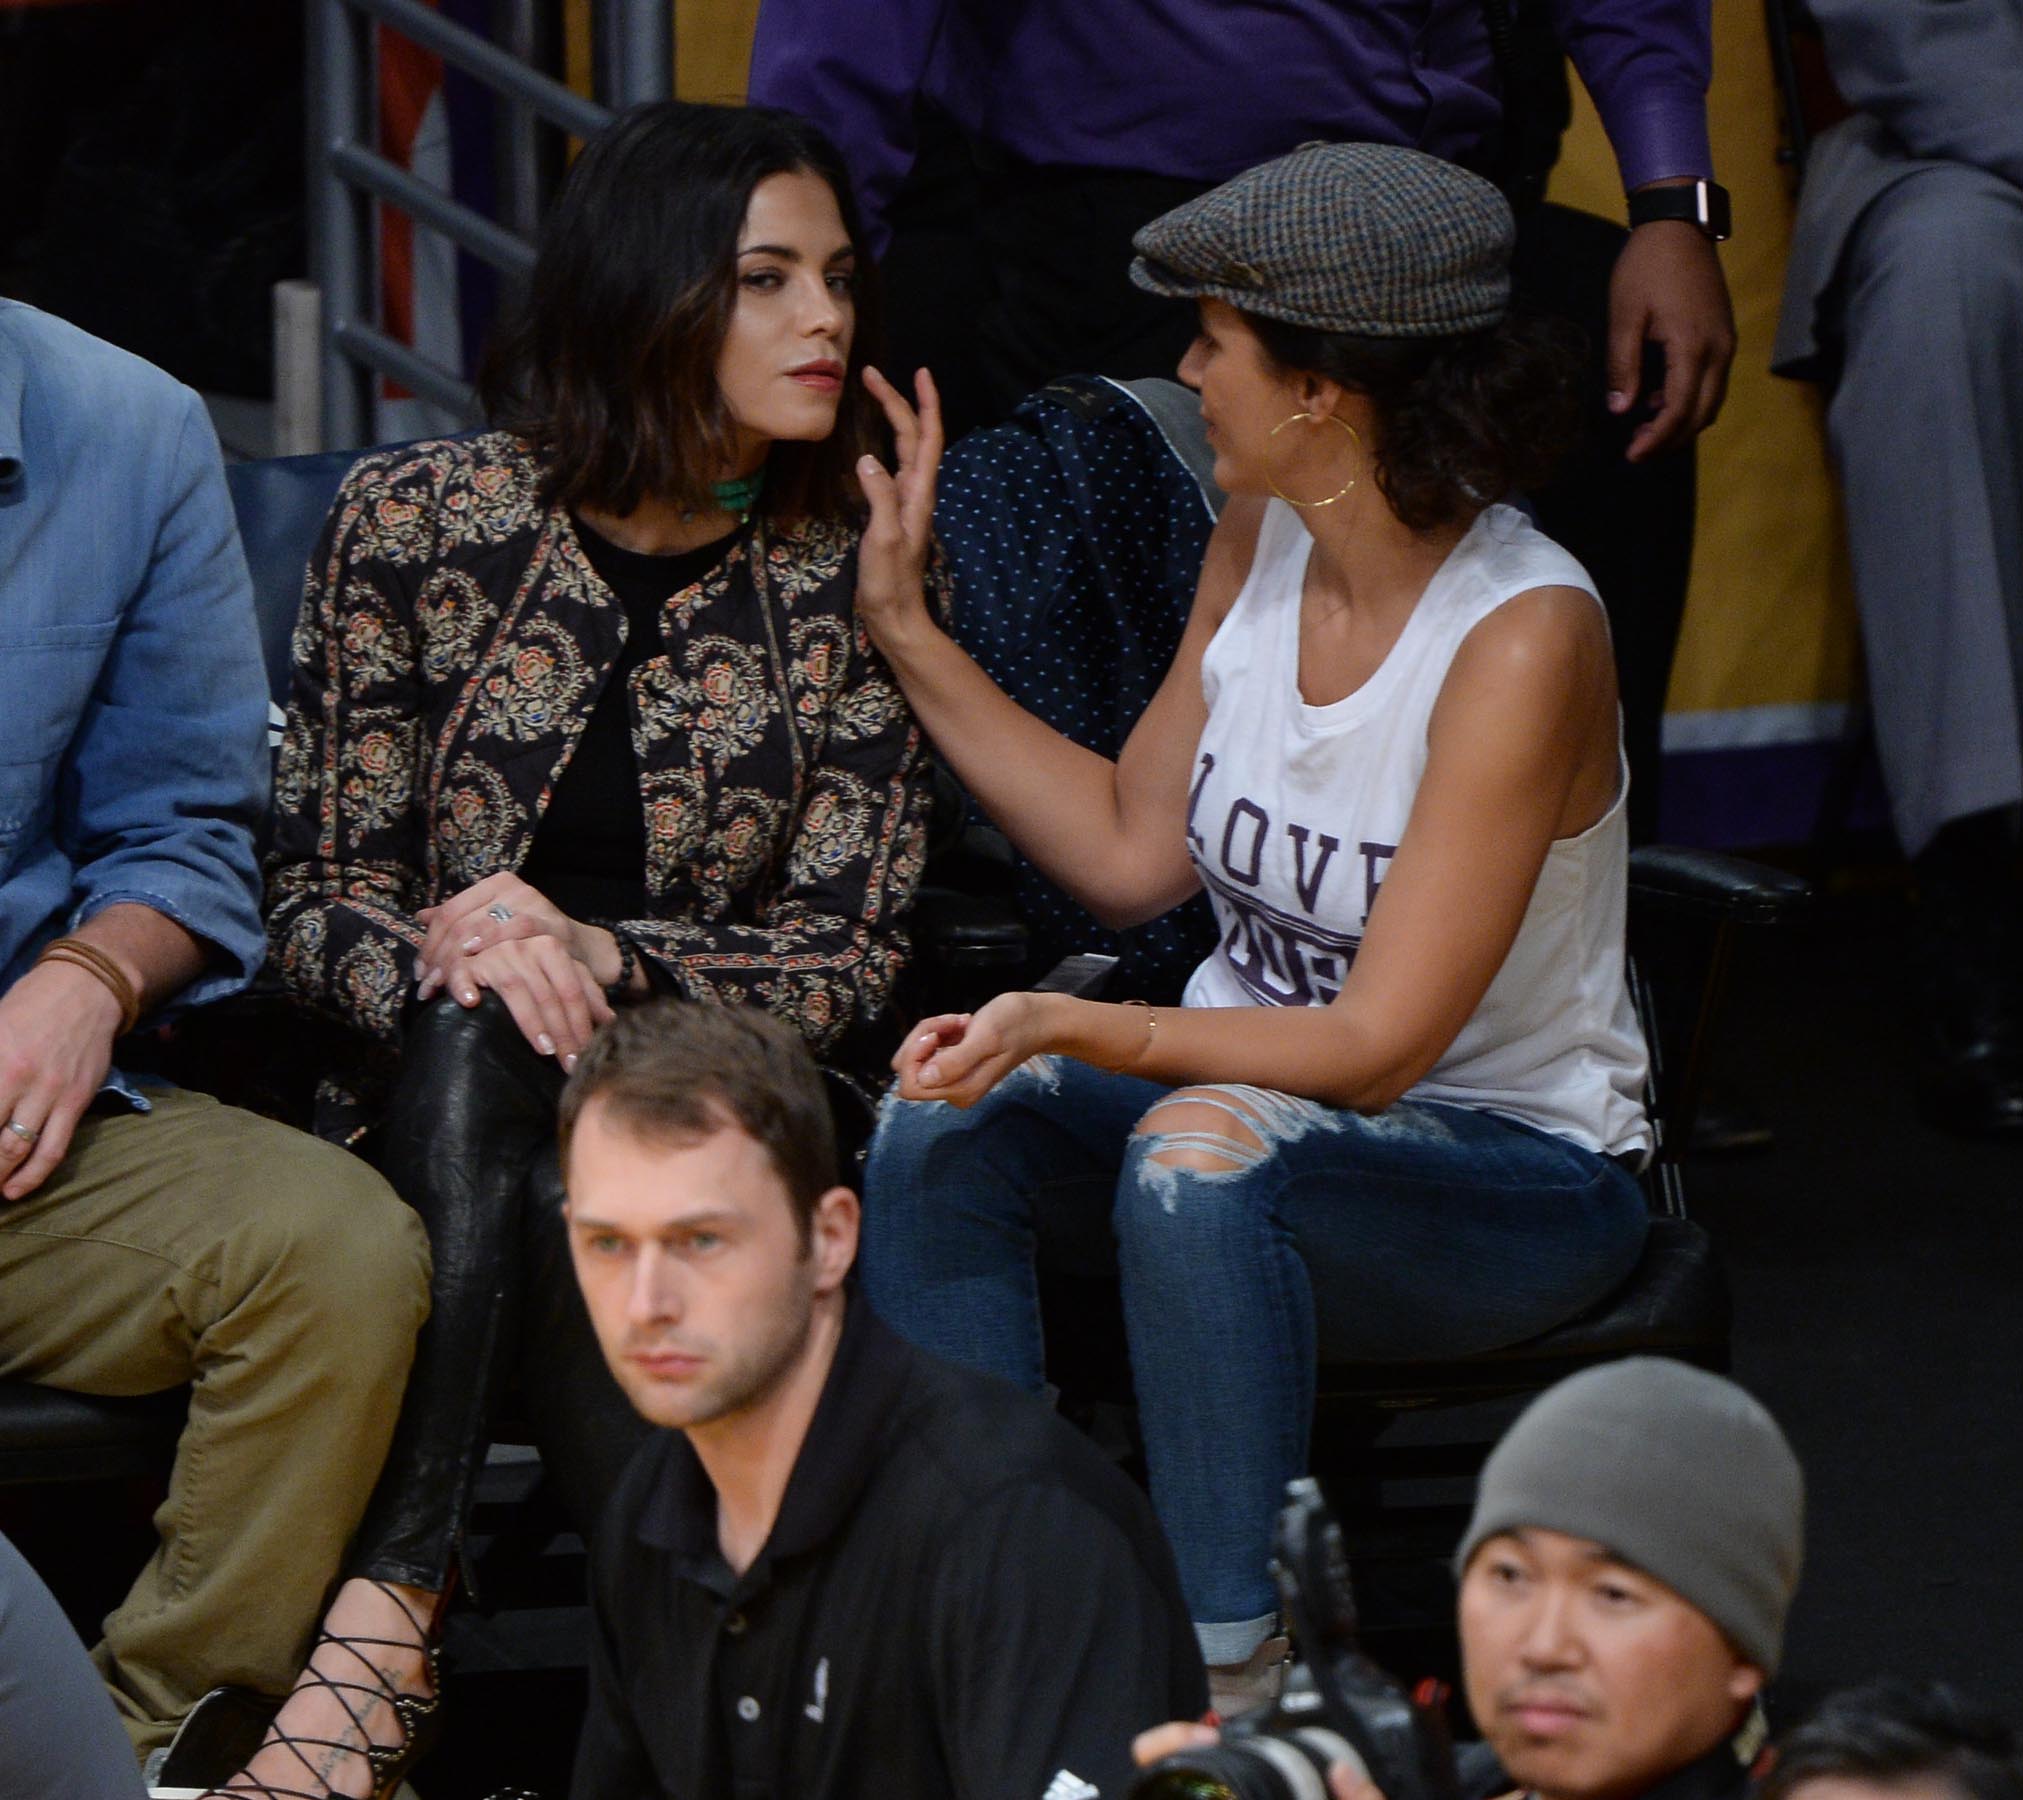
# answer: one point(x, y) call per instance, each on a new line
point(501, 911)
point(26, 1133)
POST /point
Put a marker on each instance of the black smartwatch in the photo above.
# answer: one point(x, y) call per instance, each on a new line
point(1701, 203)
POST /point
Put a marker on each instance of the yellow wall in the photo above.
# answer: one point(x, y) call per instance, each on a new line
point(1769, 620)
point(712, 46)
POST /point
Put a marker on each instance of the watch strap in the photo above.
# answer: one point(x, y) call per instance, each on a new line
point(1701, 203)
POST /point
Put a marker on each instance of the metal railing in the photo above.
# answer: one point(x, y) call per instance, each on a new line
point(632, 57)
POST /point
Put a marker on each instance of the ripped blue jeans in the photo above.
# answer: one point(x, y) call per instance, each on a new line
point(1297, 1232)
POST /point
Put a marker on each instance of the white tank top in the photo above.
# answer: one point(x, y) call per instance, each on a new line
point(1296, 811)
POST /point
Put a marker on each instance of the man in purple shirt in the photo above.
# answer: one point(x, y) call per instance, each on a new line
point(1190, 92)
point(1005, 153)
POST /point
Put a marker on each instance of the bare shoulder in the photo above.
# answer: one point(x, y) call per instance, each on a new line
point(1231, 548)
point(1526, 720)
point(1548, 638)
point(1536, 677)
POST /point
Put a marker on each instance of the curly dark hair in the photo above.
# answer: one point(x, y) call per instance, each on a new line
point(608, 368)
point(1461, 421)
point(1890, 1732)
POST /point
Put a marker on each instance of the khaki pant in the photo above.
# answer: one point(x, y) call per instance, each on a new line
point(285, 1280)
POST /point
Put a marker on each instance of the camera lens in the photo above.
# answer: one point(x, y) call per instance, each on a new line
point(1294, 1767)
point(1216, 1774)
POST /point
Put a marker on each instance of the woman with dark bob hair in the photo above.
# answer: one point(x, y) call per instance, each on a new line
point(582, 714)
point(1399, 1113)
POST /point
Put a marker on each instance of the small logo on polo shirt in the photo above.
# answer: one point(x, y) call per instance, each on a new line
point(1067, 1785)
point(819, 1706)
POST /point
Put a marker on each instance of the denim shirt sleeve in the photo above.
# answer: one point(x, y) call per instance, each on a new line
point(1646, 63)
point(166, 777)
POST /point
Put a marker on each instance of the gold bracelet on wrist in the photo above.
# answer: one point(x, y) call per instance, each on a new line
point(1151, 1032)
point(93, 961)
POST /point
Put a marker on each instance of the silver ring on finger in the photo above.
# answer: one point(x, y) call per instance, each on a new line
point(26, 1133)
point(501, 911)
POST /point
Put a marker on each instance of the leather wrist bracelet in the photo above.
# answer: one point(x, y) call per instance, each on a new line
point(93, 961)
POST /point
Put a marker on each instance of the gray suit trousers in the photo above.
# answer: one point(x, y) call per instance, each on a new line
point(1926, 425)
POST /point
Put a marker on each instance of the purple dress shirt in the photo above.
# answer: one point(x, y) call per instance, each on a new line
point(1203, 89)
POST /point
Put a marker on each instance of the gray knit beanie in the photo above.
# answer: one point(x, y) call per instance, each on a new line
point(1678, 1472)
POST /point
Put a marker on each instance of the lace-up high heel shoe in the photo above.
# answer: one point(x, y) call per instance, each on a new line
point(344, 1666)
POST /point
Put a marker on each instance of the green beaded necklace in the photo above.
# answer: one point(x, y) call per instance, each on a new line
point(739, 497)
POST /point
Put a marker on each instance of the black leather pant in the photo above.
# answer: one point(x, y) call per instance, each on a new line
point(470, 1145)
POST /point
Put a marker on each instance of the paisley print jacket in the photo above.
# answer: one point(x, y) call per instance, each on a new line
point(452, 644)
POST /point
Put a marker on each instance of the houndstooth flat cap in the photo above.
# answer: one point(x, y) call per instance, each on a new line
point(1364, 238)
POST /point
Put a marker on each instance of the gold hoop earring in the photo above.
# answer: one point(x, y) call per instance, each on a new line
point(1310, 505)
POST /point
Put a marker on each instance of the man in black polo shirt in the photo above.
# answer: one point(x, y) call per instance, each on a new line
point(844, 1568)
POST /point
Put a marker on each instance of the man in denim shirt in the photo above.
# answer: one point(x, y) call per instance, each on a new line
point(151, 1237)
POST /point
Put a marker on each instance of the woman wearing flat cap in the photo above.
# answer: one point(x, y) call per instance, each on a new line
point(1399, 1112)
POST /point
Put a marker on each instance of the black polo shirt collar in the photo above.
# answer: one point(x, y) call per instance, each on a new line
point(837, 1459)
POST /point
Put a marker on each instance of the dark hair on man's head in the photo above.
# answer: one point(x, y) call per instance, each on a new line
point(682, 1070)
point(608, 368)
point(1461, 421)
point(1897, 1731)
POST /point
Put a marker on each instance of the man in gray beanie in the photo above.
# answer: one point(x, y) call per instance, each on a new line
point(1635, 1545)
point(1636, 1542)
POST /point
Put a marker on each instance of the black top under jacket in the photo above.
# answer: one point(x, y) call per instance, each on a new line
point(959, 1598)
point(589, 850)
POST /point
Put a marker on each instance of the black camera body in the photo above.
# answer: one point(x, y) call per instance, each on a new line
point(1337, 1706)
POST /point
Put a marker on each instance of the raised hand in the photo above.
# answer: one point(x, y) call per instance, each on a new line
point(892, 559)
